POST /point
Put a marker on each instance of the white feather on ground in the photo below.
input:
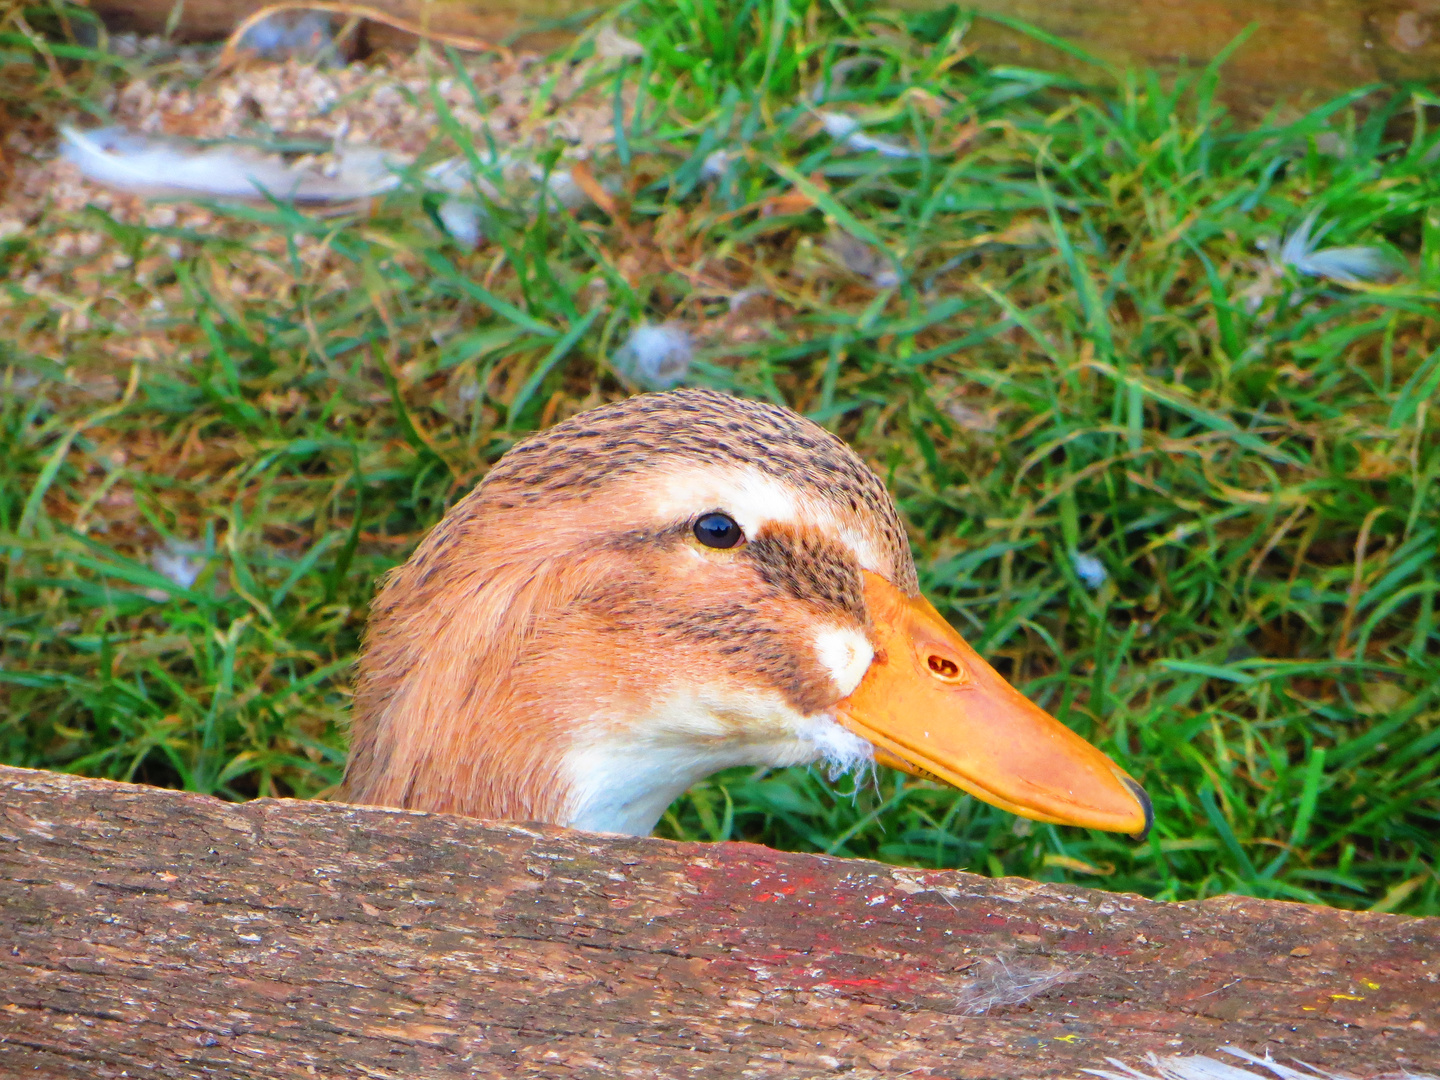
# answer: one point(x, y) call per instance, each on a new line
point(464, 219)
point(162, 167)
point(1200, 1067)
point(847, 130)
point(1347, 265)
point(655, 357)
point(1089, 569)
point(716, 164)
point(178, 560)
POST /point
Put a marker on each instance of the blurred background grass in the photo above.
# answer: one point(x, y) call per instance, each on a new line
point(1183, 494)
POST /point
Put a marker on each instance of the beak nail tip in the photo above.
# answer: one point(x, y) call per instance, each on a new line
point(1144, 801)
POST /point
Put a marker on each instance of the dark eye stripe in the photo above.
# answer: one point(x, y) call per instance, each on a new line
point(808, 568)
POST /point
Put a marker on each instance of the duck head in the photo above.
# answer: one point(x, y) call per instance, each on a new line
point(664, 587)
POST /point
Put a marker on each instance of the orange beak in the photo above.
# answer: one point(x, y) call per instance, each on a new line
point(934, 708)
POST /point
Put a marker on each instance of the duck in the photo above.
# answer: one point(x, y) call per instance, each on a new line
point(669, 585)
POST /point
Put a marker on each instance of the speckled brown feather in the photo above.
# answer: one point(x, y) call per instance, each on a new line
point(635, 436)
point(540, 604)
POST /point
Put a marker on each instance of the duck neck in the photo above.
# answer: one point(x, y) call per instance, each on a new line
point(623, 781)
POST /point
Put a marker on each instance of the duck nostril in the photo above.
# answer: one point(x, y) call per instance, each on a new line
point(944, 667)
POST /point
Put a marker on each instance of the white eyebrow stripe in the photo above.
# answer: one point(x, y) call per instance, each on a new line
point(756, 499)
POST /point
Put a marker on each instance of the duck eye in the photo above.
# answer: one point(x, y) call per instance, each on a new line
point(717, 531)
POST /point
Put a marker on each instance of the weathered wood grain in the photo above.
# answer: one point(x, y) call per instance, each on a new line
point(212, 20)
point(1298, 46)
point(172, 935)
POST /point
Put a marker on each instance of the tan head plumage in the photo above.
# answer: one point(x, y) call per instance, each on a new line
point(565, 602)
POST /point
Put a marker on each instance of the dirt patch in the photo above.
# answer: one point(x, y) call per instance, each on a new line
point(401, 105)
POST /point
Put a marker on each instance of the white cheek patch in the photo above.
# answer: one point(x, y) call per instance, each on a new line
point(846, 655)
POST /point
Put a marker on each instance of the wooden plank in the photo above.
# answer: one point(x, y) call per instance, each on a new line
point(1299, 47)
point(212, 20)
point(172, 935)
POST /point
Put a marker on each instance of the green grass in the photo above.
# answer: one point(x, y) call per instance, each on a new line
point(1086, 353)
